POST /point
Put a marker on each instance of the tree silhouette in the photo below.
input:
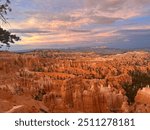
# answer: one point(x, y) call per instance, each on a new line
point(6, 38)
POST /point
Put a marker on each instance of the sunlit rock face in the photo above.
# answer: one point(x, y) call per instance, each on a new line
point(83, 97)
point(55, 81)
point(142, 100)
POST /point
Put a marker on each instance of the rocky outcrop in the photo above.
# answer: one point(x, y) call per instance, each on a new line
point(142, 101)
point(55, 81)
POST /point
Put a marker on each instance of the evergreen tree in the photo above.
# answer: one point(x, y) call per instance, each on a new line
point(6, 38)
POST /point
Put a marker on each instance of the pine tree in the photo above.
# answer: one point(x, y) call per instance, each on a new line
point(6, 38)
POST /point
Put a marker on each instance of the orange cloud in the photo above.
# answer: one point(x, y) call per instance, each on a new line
point(59, 24)
point(95, 15)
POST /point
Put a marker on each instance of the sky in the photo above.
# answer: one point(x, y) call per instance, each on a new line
point(80, 23)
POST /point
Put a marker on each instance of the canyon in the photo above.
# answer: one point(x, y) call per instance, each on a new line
point(50, 81)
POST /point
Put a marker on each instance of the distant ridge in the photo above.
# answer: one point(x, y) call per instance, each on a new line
point(96, 49)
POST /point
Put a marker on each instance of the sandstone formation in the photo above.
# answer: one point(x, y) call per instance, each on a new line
point(142, 100)
point(56, 81)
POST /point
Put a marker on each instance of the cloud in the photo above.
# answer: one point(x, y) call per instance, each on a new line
point(30, 23)
point(131, 38)
point(117, 8)
point(28, 30)
point(80, 21)
point(105, 5)
point(115, 5)
point(58, 24)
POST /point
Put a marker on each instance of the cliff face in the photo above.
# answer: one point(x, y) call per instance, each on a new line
point(80, 96)
point(54, 81)
point(142, 101)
